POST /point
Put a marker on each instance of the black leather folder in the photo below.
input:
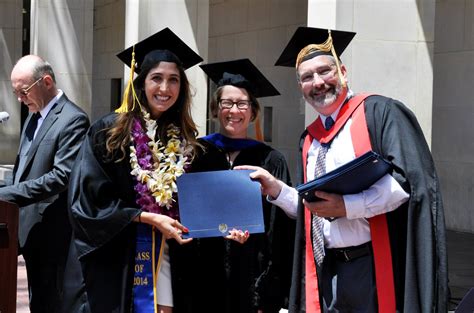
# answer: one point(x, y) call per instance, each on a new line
point(352, 177)
point(467, 303)
point(212, 203)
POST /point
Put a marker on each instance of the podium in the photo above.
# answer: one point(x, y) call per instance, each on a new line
point(8, 255)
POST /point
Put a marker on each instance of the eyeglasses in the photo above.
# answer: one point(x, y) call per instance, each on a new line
point(24, 92)
point(228, 104)
point(323, 73)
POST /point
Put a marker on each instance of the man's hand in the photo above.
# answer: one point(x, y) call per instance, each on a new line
point(331, 205)
point(270, 185)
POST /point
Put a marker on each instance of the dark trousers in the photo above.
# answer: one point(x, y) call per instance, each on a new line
point(348, 287)
point(45, 259)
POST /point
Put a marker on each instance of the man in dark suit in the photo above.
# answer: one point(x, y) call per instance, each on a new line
point(50, 141)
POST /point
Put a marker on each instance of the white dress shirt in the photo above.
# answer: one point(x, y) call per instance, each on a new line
point(44, 112)
point(383, 196)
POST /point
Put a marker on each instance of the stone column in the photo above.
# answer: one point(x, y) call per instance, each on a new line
point(187, 19)
point(62, 33)
point(10, 51)
point(453, 116)
point(392, 52)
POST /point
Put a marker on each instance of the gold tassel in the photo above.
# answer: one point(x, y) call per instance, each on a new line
point(326, 46)
point(124, 106)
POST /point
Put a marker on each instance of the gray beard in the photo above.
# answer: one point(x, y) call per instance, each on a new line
point(325, 100)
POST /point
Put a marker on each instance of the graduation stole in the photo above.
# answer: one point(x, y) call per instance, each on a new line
point(354, 109)
point(230, 144)
point(146, 269)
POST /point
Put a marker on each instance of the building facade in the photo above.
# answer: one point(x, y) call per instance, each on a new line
point(420, 52)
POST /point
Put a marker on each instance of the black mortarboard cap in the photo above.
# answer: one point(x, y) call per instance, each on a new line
point(165, 40)
point(240, 73)
point(304, 36)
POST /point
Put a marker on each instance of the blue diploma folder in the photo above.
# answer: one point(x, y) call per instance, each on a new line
point(212, 203)
point(352, 177)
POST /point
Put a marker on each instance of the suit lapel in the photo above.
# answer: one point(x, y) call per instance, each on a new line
point(48, 122)
point(23, 138)
point(19, 166)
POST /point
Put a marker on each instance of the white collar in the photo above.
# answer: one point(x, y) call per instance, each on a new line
point(44, 112)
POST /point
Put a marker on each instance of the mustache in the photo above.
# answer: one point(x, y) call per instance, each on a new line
point(321, 92)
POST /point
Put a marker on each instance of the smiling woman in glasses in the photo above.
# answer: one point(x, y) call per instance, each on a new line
point(250, 273)
point(235, 111)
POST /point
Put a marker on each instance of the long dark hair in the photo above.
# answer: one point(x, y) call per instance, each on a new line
point(178, 114)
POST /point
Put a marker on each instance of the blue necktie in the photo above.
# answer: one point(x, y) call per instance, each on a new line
point(317, 224)
point(328, 123)
point(31, 127)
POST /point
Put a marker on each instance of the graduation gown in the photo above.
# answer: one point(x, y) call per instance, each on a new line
point(416, 229)
point(220, 275)
point(100, 271)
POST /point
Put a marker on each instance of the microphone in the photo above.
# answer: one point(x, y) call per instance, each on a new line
point(4, 116)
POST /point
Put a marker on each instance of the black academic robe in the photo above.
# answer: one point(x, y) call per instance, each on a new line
point(417, 228)
point(99, 277)
point(220, 275)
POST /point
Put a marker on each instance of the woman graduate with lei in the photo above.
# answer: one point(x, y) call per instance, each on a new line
point(123, 190)
point(219, 275)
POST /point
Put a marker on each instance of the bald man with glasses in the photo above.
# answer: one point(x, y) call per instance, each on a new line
point(49, 143)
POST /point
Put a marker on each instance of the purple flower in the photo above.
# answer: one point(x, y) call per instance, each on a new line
point(145, 157)
point(142, 140)
point(141, 188)
point(145, 162)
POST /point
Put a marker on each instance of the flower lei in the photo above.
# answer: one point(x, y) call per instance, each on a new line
point(156, 166)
